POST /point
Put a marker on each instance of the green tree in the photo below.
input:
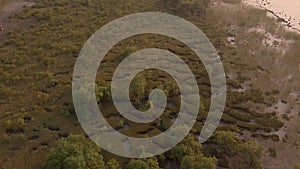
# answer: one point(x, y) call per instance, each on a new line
point(239, 155)
point(103, 92)
point(249, 156)
point(113, 164)
point(227, 141)
point(137, 87)
point(75, 152)
point(148, 163)
point(188, 147)
point(198, 161)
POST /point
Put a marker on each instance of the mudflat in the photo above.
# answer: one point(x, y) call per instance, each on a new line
point(288, 10)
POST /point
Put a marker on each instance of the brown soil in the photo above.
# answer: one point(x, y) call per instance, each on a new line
point(9, 8)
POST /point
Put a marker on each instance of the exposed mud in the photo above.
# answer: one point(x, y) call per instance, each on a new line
point(9, 8)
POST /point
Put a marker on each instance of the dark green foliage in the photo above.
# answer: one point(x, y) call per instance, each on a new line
point(240, 155)
point(270, 122)
point(242, 116)
point(75, 152)
point(232, 128)
point(237, 115)
point(125, 53)
point(252, 127)
point(228, 119)
point(249, 155)
point(198, 161)
point(256, 96)
point(236, 98)
point(227, 141)
point(113, 164)
point(149, 163)
point(103, 93)
point(189, 155)
point(138, 88)
point(210, 151)
point(188, 147)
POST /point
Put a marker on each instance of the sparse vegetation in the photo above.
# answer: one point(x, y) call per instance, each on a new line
point(297, 166)
point(232, 1)
point(273, 152)
point(8, 125)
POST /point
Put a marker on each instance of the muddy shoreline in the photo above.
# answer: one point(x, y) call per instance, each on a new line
point(287, 12)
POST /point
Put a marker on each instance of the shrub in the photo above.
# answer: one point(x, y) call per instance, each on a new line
point(249, 156)
point(20, 122)
point(149, 163)
point(270, 122)
point(297, 166)
point(273, 152)
point(137, 88)
point(188, 147)
point(8, 125)
point(198, 161)
point(286, 117)
point(251, 127)
point(227, 141)
point(240, 116)
point(113, 164)
point(75, 152)
point(232, 1)
point(228, 119)
point(232, 128)
point(103, 93)
point(240, 155)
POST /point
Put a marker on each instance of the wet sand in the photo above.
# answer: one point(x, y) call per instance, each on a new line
point(288, 11)
point(12, 7)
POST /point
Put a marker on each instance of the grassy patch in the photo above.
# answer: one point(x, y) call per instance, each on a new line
point(232, 1)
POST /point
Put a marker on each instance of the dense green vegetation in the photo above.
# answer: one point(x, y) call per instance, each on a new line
point(39, 61)
point(79, 153)
point(150, 163)
point(240, 155)
point(75, 152)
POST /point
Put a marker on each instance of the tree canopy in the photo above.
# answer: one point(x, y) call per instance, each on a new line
point(198, 161)
point(240, 155)
point(75, 152)
point(148, 163)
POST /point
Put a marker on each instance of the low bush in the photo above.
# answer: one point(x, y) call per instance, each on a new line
point(270, 122)
point(232, 1)
point(239, 116)
point(272, 152)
